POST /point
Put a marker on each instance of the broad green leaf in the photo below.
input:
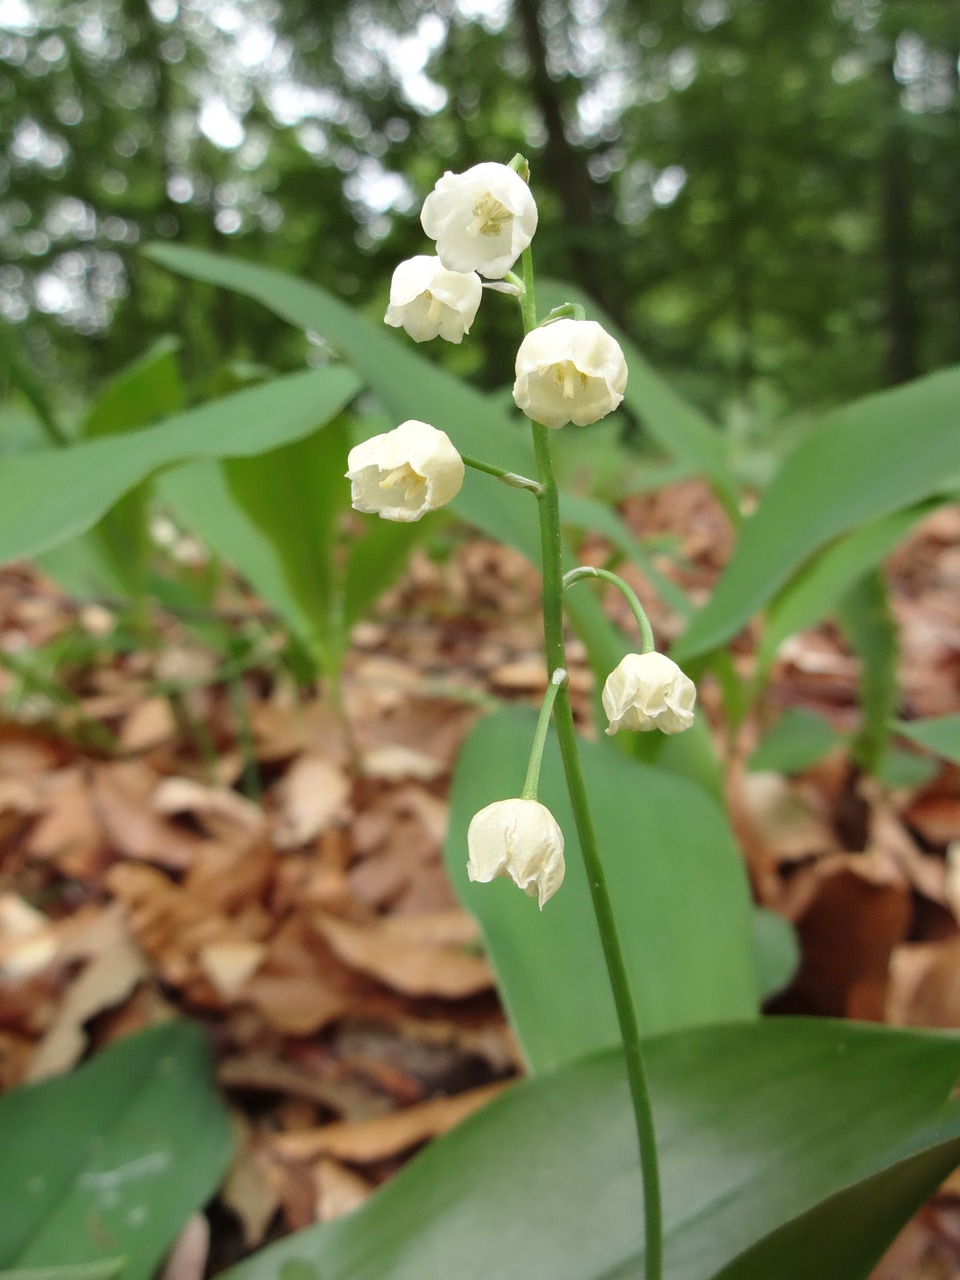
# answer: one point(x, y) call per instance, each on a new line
point(868, 624)
point(797, 740)
point(146, 391)
point(863, 462)
point(293, 495)
point(105, 1270)
point(198, 493)
point(677, 883)
point(776, 951)
point(906, 769)
point(756, 1125)
point(940, 734)
point(143, 393)
point(815, 589)
point(114, 1158)
point(411, 387)
point(844, 1237)
point(677, 426)
point(28, 384)
point(376, 560)
point(88, 478)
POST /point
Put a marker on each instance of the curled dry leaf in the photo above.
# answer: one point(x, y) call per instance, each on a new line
point(187, 1260)
point(68, 832)
point(312, 796)
point(851, 911)
point(122, 801)
point(28, 941)
point(251, 1188)
point(184, 795)
point(106, 981)
point(391, 951)
point(228, 965)
point(150, 723)
point(384, 1136)
point(339, 1190)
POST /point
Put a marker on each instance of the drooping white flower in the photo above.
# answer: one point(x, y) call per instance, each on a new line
point(428, 301)
point(519, 839)
point(404, 473)
point(649, 691)
point(569, 371)
point(482, 219)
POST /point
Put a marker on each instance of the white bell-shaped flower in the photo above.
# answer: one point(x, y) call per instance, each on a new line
point(569, 371)
point(428, 301)
point(649, 691)
point(404, 473)
point(519, 839)
point(482, 219)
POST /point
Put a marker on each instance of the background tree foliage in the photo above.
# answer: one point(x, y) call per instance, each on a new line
point(766, 195)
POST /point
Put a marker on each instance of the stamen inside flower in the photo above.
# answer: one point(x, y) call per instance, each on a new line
point(404, 476)
point(566, 374)
point(489, 217)
point(434, 306)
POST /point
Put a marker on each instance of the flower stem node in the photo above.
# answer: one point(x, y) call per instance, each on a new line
point(404, 473)
point(482, 219)
point(519, 839)
point(428, 301)
point(569, 371)
point(649, 691)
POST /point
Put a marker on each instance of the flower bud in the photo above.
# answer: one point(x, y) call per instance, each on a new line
point(482, 220)
point(428, 301)
point(519, 839)
point(569, 371)
point(404, 473)
point(649, 691)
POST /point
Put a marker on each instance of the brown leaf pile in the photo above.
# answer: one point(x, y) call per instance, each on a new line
point(284, 885)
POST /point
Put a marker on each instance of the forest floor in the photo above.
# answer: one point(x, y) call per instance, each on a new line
point(166, 848)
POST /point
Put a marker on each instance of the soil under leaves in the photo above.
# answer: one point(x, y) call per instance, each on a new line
point(175, 842)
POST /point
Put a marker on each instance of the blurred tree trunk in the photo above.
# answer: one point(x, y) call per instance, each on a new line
point(567, 173)
point(896, 221)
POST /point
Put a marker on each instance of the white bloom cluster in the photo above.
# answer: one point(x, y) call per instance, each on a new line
point(404, 473)
point(569, 371)
point(482, 220)
point(428, 301)
point(649, 691)
point(519, 839)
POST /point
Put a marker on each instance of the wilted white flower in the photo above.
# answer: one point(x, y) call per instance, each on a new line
point(428, 301)
point(569, 371)
point(519, 839)
point(482, 220)
point(649, 691)
point(404, 473)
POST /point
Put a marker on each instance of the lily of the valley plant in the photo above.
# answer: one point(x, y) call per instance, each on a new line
point(569, 370)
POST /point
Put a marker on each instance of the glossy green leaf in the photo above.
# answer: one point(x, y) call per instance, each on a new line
point(816, 588)
point(677, 883)
point(863, 462)
point(111, 1160)
point(940, 734)
point(293, 495)
point(376, 559)
point(756, 1125)
point(88, 478)
point(143, 393)
point(776, 951)
point(797, 740)
point(677, 426)
point(410, 386)
point(200, 497)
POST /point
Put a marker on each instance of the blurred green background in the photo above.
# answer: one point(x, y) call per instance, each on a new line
point(767, 195)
